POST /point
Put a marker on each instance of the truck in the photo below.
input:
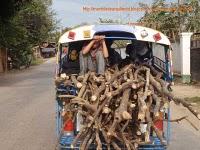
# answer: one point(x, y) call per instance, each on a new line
point(48, 49)
point(67, 63)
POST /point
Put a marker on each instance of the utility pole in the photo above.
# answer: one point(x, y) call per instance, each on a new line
point(181, 17)
point(118, 3)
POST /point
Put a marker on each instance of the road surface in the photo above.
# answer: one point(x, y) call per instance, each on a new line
point(27, 113)
point(27, 109)
point(183, 135)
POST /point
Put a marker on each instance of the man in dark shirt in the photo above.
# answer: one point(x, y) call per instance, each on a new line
point(114, 57)
point(138, 52)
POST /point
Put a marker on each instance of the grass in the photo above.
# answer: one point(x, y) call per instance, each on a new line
point(178, 80)
point(195, 100)
point(37, 61)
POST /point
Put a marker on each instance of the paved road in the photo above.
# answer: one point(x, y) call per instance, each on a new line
point(183, 135)
point(27, 109)
point(27, 113)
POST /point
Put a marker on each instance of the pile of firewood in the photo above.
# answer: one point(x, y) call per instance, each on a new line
point(120, 107)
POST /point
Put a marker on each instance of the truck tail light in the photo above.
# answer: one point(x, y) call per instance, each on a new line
point(68, 133)
point(69, 126)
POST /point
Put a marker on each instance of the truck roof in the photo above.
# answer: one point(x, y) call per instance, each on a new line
point(138, 32)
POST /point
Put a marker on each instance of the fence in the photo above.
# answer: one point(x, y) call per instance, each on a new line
point(194, 58)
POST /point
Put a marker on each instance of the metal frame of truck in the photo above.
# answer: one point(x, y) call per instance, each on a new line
point(117, 32)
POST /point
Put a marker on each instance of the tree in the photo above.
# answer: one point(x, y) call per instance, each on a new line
point(26, 27)
point(8, 10)
point(179, 18)
point(107, 21)
point(166, 22)
point(193, 20)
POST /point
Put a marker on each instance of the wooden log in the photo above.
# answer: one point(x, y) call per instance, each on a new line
point(106, 138)
point(149, 119)
point(58, 81)
point(116, 147)
point(154, 72)
point(84, 103)
point(92, 138)
point(83, 88)
point(115, 76)
point(80, 78)
point(125, 125)
point(157, 100)
point(127, 143)
point(100, 109)
point(125, 76)
point(114, 104)
point(76, 83)
point(130, 74)
point(121, 112)
point(86, 140)
point(98, 140)
point(98, 92)
point(81, 132)
point(142, 96)
point(123, 87)
point(66, 96)
point(163, 90)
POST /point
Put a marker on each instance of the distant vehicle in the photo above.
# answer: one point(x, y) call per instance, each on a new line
point(48, 50)
point(160, 58)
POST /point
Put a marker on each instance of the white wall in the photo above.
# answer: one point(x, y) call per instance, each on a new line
point(176, 57)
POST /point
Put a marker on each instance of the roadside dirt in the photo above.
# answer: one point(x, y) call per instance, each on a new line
point(183, 135)
point(189, 92)
point(186, 91)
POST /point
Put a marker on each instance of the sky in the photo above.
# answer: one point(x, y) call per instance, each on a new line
point(70, 12)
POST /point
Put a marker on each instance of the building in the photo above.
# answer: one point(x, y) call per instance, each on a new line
point(48, 49)
point(3, 60)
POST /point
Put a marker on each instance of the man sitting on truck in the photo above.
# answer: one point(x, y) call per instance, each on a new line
point(92, 56)
point(143, 50)
point(138, 52)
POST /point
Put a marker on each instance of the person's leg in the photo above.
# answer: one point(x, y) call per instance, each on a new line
point(83, 59)
point(100, 62)
point(91, 64)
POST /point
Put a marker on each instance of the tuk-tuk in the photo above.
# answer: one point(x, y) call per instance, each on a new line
point(120, 35)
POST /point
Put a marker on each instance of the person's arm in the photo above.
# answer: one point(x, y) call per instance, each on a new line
point(105, 49)
point(87, 48)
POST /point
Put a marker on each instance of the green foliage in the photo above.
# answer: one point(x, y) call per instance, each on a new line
point(194, 17)
point(121, 43)
point(37, 61)
point(39, 21)
point(30, 25)
point(9, 8)
point(174, 21)
point(57, 34)
point(108, 21)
